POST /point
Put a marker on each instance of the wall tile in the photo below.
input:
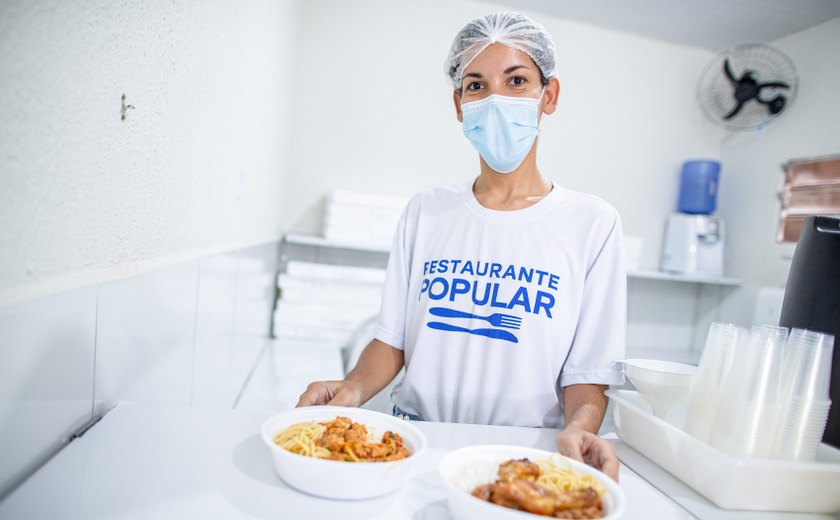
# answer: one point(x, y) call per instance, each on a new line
point(145, 337)
point(235, 301)
point(660, 318)
point(46, 388)
point(215, 314)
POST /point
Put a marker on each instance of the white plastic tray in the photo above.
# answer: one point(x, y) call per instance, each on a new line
point(729, 482)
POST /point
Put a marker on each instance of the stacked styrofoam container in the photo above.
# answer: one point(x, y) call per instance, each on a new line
point(325, 303)
point(364, 219)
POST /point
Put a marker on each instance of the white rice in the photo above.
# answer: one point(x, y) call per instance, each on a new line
point(472, 474)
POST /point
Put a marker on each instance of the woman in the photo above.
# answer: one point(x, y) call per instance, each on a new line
point(505, 297)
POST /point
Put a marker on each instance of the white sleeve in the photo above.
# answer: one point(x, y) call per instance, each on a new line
point(599, 341)
point(392, 315)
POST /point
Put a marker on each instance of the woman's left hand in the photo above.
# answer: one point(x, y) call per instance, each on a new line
point(587, 447)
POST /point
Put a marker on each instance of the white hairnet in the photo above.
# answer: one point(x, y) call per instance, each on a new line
point(512, 29)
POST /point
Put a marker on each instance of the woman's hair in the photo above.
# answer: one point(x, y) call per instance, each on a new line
point(512, 29)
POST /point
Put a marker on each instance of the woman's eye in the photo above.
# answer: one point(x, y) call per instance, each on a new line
point(474, 86)
point(518, 81)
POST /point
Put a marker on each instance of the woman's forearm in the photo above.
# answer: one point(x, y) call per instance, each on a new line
point(584, 406)
point(377, 366)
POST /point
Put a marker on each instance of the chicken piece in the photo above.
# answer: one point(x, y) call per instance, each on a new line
point(377, 451)
point(332, 441)
point(359, 429)
point(391, 436)
point(584, 503)
point(401, 453)
point(581, 514)
point(341, 422)
point(483, 492)
point(354, 436)
point(347, 441)
point(524, 495)
point(522, 469)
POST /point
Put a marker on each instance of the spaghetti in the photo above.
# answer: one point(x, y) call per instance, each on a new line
point(558, 475)
point(300, 438)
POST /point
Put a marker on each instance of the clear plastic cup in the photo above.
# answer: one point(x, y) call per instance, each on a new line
point(707, 387)
point(807, 371)
point(756, 368)
point(806, 374)
point(800, 435)
point(745, 429)
point(749, 409)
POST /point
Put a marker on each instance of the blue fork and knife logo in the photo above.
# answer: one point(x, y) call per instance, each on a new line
point(506, 321)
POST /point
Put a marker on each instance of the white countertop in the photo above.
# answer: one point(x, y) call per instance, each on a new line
point(162, 461)
point(159, 461)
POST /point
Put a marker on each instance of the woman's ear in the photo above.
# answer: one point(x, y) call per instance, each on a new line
point(456, 97)
point(552, 92)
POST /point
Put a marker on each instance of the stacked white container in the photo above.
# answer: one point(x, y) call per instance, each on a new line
point(365, 219)
point(324, 302)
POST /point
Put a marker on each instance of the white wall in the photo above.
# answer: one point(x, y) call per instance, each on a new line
point(86, 200)
point(377, 113)
point(196, 168)
point(752, 176)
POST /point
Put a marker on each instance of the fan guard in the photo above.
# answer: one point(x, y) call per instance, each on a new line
point(768, 86)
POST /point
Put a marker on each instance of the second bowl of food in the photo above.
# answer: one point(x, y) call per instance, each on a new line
point(496, 482)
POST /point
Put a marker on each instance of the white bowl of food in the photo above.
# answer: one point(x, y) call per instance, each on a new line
point(479, 479)
point(325, 454)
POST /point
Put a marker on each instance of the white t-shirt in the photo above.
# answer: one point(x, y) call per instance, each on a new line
point(554, 270)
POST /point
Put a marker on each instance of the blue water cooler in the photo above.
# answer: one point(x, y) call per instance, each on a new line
point(693, 242)
point(699, 187)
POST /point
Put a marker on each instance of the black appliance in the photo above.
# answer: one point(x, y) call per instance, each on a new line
point(812, 298)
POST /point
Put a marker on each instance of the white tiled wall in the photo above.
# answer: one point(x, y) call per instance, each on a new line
point(659, 317)
point(186, 334)
point(232, 324)
point(144, 337)
point(214, 331)
point(46, 387)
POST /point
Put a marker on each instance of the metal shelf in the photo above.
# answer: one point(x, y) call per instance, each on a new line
point(685, 278)
point(317, 241)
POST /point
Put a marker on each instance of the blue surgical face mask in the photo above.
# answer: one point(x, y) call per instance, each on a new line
point(502, 129)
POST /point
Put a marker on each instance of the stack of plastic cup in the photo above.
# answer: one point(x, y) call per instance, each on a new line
point(712, 371)
point(749, 408)
point(805, 379)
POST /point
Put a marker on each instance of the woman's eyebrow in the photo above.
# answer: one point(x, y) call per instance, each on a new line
point(506, 71)
point(515, 67)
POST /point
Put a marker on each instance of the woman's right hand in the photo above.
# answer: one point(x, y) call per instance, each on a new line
point(377, 366)
point(336, 393)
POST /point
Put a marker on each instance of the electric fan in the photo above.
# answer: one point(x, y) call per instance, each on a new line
point(747, 87)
